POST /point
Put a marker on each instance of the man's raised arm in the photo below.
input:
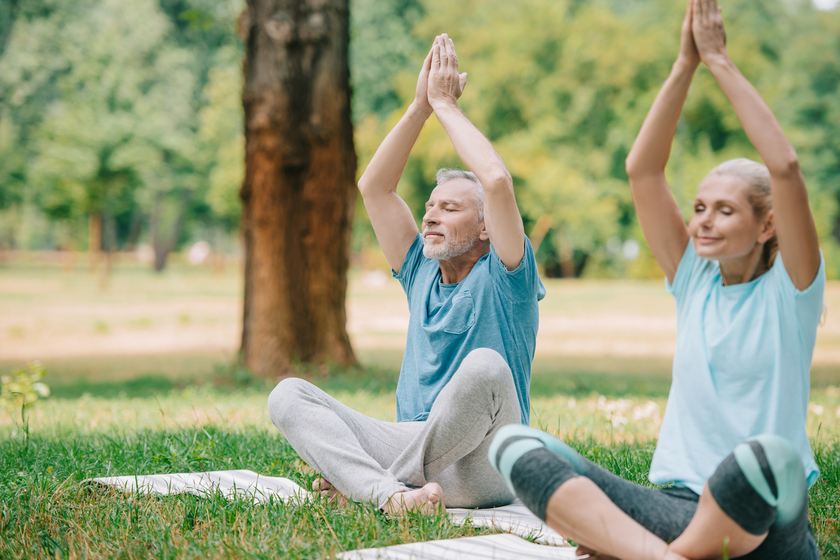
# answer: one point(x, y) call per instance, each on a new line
point(501, 215)
point(389, 214)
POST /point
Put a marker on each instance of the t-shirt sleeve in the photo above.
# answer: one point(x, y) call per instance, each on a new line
point(521, 283)
point(689, 273)
point(411, 264)
point(809, 302)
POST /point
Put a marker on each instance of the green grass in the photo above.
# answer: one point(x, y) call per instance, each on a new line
point(146, 410)
point(46, 512)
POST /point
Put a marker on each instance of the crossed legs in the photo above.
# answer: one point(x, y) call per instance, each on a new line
point(756, 502)
point(370, 460)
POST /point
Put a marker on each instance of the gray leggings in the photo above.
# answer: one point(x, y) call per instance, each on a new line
point(761, 486)
point(370, 460)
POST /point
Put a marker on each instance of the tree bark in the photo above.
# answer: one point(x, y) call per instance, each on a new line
point(539, 231)
point(299, 189)
point(94, 240)
point(163, 246)
point(565, 254)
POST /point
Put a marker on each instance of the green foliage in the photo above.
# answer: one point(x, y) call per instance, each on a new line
point(562, 88)
point(113, 107)
point(107, 111)
point(23, 388)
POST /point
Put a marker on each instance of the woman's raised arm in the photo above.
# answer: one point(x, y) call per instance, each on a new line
point(795, 229)
point(663, 225)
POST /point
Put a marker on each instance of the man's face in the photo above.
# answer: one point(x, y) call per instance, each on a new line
point(451, 226)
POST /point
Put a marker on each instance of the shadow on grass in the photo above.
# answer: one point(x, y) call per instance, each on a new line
point(146, 376)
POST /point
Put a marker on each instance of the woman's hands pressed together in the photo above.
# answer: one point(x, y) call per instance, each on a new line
point(688, 50)
point(707, 29)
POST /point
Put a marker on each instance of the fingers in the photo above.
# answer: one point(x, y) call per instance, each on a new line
point(706, 9)
point(436, 54)
point(462, 80)
point(445, 52)
point(699, 11)
point(450, 51)
point(427, 63)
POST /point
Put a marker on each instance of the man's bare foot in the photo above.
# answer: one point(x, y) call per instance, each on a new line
point(428, 499)
point(326, 490)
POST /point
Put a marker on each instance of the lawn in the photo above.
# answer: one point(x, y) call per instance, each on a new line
point(142, 383)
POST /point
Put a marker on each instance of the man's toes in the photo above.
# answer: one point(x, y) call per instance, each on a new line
point(320, 485)
point(435, 496)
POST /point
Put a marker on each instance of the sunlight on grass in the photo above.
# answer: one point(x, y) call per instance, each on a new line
point(205, 428)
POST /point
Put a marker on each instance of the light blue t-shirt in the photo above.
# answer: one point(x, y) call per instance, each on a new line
point(491, 308)
point(741, 368)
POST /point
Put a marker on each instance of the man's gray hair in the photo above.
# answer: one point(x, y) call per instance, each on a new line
point(447, 174)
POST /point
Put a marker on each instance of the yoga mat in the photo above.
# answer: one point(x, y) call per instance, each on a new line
point(504, 546)
point(514, 518)
point(240, 483)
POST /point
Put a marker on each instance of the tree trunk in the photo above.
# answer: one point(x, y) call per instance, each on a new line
point(163, 246)
point(539, 231)
point(565, 254)
point(8, 12)
point(299, 188)
point(109, 245)
point(94, 241)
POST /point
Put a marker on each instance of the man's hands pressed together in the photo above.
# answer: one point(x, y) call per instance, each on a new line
point(445, 84)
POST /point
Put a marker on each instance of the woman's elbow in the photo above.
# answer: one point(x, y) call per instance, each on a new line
point(632, 166)
point(785, 167)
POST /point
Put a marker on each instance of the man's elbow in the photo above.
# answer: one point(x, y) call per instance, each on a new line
point(364, 186)
point(498, 180)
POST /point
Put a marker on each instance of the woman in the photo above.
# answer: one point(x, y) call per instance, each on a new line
point(733, 438)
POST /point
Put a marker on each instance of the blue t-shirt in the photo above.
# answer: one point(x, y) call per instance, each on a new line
point(741, 368)
point(492, 307)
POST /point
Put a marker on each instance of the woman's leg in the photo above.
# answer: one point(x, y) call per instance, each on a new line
point(581, 500)
point(756, 502)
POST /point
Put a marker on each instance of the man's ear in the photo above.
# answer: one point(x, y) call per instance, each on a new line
point(768, 227)
point(483, 235)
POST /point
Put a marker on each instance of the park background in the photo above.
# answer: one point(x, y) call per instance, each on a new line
point(121, 265)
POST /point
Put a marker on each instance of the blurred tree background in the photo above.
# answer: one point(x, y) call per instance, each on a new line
point(121, 120)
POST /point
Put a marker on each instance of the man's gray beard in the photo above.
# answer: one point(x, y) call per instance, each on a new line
point(449, 250)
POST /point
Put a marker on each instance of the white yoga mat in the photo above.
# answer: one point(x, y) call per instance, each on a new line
point(504, 546)
point(241, 483)
point(514, 518)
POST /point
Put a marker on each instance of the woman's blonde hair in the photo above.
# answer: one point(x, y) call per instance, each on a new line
point(760, 196)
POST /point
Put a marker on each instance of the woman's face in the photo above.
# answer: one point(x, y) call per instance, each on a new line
point(723, 225)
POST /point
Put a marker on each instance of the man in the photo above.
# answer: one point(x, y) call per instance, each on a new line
point(472, 288)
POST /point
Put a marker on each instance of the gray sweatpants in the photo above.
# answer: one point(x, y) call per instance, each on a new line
point(370, 460)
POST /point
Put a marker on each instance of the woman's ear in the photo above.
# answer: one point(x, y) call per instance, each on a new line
point(768, 227)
